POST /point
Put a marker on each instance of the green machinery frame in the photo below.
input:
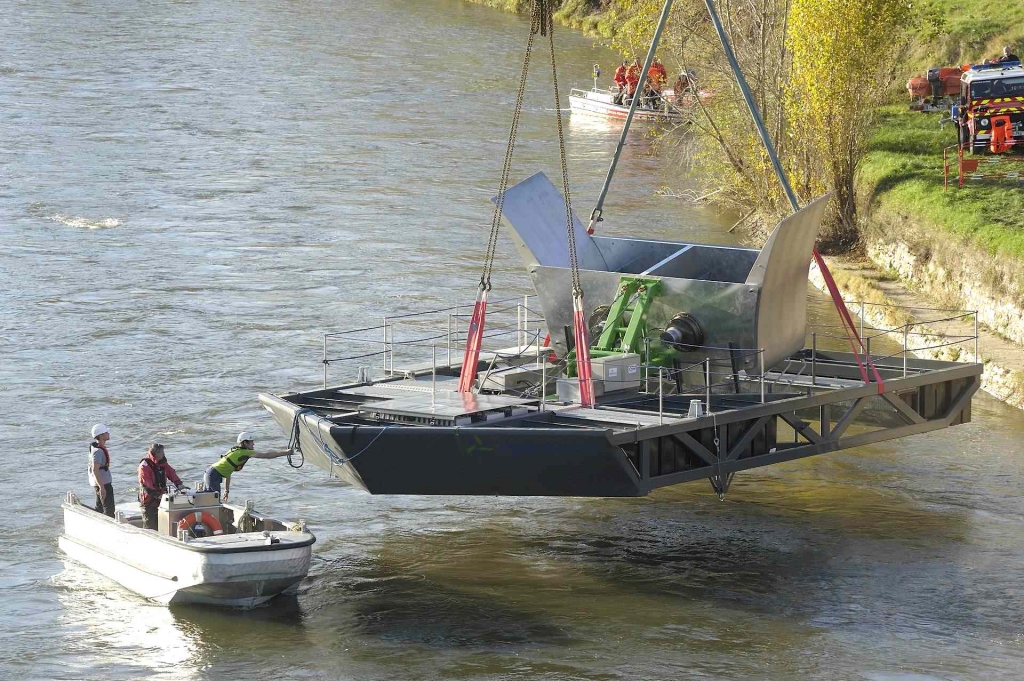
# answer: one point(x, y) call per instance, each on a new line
point(625, 328)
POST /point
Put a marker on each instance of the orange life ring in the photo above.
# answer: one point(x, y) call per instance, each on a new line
point(200, 518)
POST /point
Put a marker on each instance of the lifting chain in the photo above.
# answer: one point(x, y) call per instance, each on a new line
point(536, 26)
point(547, 26)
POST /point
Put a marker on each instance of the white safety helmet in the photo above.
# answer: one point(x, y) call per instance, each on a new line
point(99, 429)
point(243, 436)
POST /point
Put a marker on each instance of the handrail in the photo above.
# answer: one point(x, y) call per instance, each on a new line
point(436, 328)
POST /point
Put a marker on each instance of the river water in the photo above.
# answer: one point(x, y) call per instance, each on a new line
point(191, 192)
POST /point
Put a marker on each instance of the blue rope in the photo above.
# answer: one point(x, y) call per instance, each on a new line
point(298, 422)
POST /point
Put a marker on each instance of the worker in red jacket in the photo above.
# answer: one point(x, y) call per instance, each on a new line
point(657, 76)
point(633, 77)
point(154, 472)
point(620, 81)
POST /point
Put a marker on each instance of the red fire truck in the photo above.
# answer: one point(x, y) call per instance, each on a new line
point(990, 113)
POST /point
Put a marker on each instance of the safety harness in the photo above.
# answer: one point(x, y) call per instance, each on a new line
point(106, 455)
point(148, 494)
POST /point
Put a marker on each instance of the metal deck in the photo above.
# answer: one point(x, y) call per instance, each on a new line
point(405, 431)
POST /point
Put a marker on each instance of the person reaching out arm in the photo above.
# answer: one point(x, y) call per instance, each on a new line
point(234, 461)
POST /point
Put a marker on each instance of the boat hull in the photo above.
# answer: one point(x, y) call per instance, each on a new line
point(582, 104)
point(476, 461)
point(167, 571)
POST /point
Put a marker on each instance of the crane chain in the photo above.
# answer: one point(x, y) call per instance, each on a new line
point(577, 289)
point(536, 26)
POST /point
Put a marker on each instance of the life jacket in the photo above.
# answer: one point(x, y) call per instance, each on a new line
point(106, 455)
point(147, 494)
point(233, 461)
point(657, 75)
point(633, 77)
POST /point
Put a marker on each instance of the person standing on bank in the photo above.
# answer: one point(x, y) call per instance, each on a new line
point(154, 472)
point(99, 470)
point(234, 461)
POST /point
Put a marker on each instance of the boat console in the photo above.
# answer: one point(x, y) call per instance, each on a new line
point(177, 506)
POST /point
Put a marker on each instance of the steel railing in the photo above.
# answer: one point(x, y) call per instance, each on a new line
point(411, 337)
point(399, 335)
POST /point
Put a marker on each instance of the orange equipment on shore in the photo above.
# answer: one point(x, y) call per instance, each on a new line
point(938, 82)
point(1002, 134)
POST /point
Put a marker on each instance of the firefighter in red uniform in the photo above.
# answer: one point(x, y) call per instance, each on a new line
point(620, 82)
point(657, 76)
point(632, 79)
point(154, 472)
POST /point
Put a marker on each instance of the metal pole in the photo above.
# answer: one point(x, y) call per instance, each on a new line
point(647, 371)
point(537, 345)
point(707, 383)
point(755, 113)
point(977, 355)
point(543, 383)
point(391, 362)
point(325, 361)
point(906, 330)
point(595, 216)
point(862, 326)
point(433, 373)
point(456, 328)
point(449, 339)
point(526, 318)
point(384, 356)
point(661, 398)
point(814, 358)
point(519, 325)
point(760, 361)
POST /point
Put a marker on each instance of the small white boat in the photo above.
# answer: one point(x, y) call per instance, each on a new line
point(602, 102)
point(243, 560)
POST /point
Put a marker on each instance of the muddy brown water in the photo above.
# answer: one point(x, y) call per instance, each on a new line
point(191, 192)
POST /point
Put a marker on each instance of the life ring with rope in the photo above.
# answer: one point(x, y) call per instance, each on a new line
point(209, 523)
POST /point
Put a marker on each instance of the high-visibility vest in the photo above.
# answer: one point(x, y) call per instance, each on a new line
point(233, 461)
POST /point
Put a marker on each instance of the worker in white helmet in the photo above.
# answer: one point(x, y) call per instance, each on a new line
point(99, 470)
point(233, 461)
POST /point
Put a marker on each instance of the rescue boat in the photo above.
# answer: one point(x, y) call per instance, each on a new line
point(202, 551)
point(602, 102)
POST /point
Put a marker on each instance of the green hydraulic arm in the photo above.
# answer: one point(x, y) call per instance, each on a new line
point(633, 301)
point(626, 325)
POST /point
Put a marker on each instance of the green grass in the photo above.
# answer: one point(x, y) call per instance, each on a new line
point(955, 31)
point(902, 175)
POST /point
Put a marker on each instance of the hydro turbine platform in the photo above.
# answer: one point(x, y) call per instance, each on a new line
point(735, 388)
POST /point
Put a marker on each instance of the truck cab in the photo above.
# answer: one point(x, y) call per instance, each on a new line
point(990, 112)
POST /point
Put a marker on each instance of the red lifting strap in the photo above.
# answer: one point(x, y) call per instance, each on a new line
point(583, 371)
point(474, 340)
point(848, 325)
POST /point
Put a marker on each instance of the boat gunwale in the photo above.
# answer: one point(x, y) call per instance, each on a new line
point(152, 534)
point(612, 110)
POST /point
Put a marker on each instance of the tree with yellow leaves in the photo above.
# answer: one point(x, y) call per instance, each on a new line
point(842, 64)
